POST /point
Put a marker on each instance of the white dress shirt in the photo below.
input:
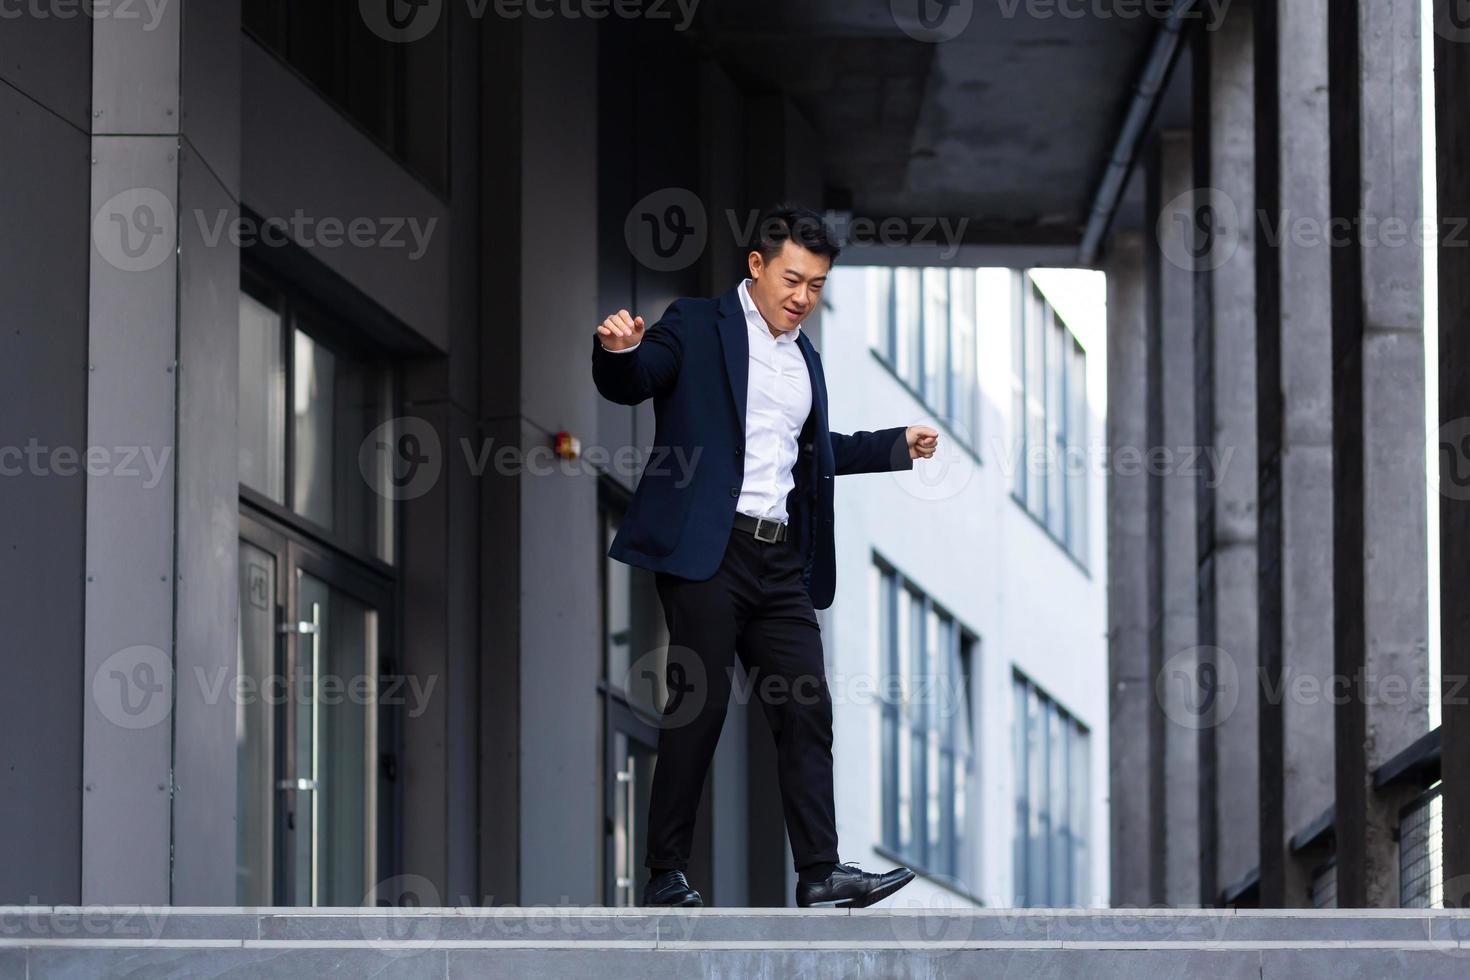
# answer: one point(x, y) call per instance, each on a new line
point(778, 399)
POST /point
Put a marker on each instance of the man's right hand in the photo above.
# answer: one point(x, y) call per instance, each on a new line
point(620, 331)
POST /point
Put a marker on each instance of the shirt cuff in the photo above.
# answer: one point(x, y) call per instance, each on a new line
point(623, 351)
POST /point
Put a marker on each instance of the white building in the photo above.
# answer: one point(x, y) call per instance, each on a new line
point(979, 583)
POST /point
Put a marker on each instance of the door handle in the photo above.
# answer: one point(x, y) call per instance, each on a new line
point(300, 785)
point(304, 629)
point(627, 881)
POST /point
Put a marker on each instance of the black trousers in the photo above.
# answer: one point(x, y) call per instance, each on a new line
point(755, 606)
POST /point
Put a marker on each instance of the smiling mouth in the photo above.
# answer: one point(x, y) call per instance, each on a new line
point(794, 314)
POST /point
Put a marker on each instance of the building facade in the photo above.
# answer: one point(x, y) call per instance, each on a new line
point(302, 605)
point(966, 644)
point(305, 593)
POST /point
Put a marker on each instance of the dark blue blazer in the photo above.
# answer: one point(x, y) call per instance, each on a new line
point(694, 364)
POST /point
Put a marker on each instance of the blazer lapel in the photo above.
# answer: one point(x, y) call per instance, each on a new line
point(819, 386)
point(819, 394)
point(736, 343)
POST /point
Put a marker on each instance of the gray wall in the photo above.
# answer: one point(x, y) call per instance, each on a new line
point(44, 97)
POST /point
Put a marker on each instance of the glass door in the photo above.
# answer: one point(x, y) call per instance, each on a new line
point(311, 634)
point(634, 642)
point(256, 739)
point(632, 751)
point(330, 782)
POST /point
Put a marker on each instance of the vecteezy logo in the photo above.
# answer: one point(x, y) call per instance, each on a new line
point(667, 687)
point(1199, 230)
point(1198, 687)
point(934, 923)
point(400, 21)
point(932, 21)
point(135, 230)
point(403, 902)
point(1452, 20)
point(1450, 933)
point(401, 459)
point(667, 230)
point(133, 688)
point(1454, 459)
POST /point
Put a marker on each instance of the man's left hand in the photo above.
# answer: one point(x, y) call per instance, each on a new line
point(922, 441)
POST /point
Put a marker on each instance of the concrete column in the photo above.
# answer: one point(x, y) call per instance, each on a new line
point(541, 827)
point(1133, 765)
point(45, 98)
point(1378, 404)
point(1294, 279)
point(1451, 81)
point(1226, 423)
point(1270, 737)
point(158, 747)
point(1171, 179)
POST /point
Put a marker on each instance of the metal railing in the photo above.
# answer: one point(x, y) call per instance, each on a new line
point(1324, 886)
point(1421, 851)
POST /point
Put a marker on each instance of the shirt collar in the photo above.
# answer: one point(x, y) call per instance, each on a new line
point(754, 319)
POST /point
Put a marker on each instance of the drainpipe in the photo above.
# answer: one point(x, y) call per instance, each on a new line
point(1146, 95)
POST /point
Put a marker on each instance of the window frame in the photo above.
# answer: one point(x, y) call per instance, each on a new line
point(917, 740)
point(1049, 383)
point(1051, 840)
point(909, 364)
point(393, 138)
point(291, 304)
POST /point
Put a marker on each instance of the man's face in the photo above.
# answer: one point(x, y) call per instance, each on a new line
point(787, 288)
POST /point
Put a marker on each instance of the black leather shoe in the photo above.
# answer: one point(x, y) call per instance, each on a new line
point(671, 888)
point(850, 887)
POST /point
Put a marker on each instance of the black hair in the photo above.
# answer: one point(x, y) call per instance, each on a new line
point(802, 225)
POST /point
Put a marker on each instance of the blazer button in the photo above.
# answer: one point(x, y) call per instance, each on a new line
point(738, 450)
point(734, 491)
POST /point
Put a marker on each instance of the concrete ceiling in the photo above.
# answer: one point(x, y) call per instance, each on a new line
point(1009, 123)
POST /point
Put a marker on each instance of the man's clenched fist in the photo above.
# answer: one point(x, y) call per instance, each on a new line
point(620, 331)
point(923, 441)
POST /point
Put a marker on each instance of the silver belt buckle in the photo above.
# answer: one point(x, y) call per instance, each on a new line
point(761, 522)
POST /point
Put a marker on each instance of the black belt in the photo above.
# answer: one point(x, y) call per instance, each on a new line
point(766, 529)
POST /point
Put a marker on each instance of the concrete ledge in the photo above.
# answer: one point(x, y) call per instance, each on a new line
point(524, 943)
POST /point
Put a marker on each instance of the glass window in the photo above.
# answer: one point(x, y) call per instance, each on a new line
point(1051, 784)
point(961, 760)
point(633, 623)
point(1021, 779)
point(262, 407)
point(907, 318)
point(1078, 793)
point(1035, 314)
point(880, 311)
point(923, 323)
point(1076, 470)
point(1019, 407)
point(963, 407)
point(337, 399)
point(311, 493)
point(395, 92)
point(1056, 425)
point(888, 669)
point(1049, 419)
point(927, 734)
point(935, 339)
point(255, 745)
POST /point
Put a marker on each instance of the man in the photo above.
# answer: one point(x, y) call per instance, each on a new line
point(742, 550)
